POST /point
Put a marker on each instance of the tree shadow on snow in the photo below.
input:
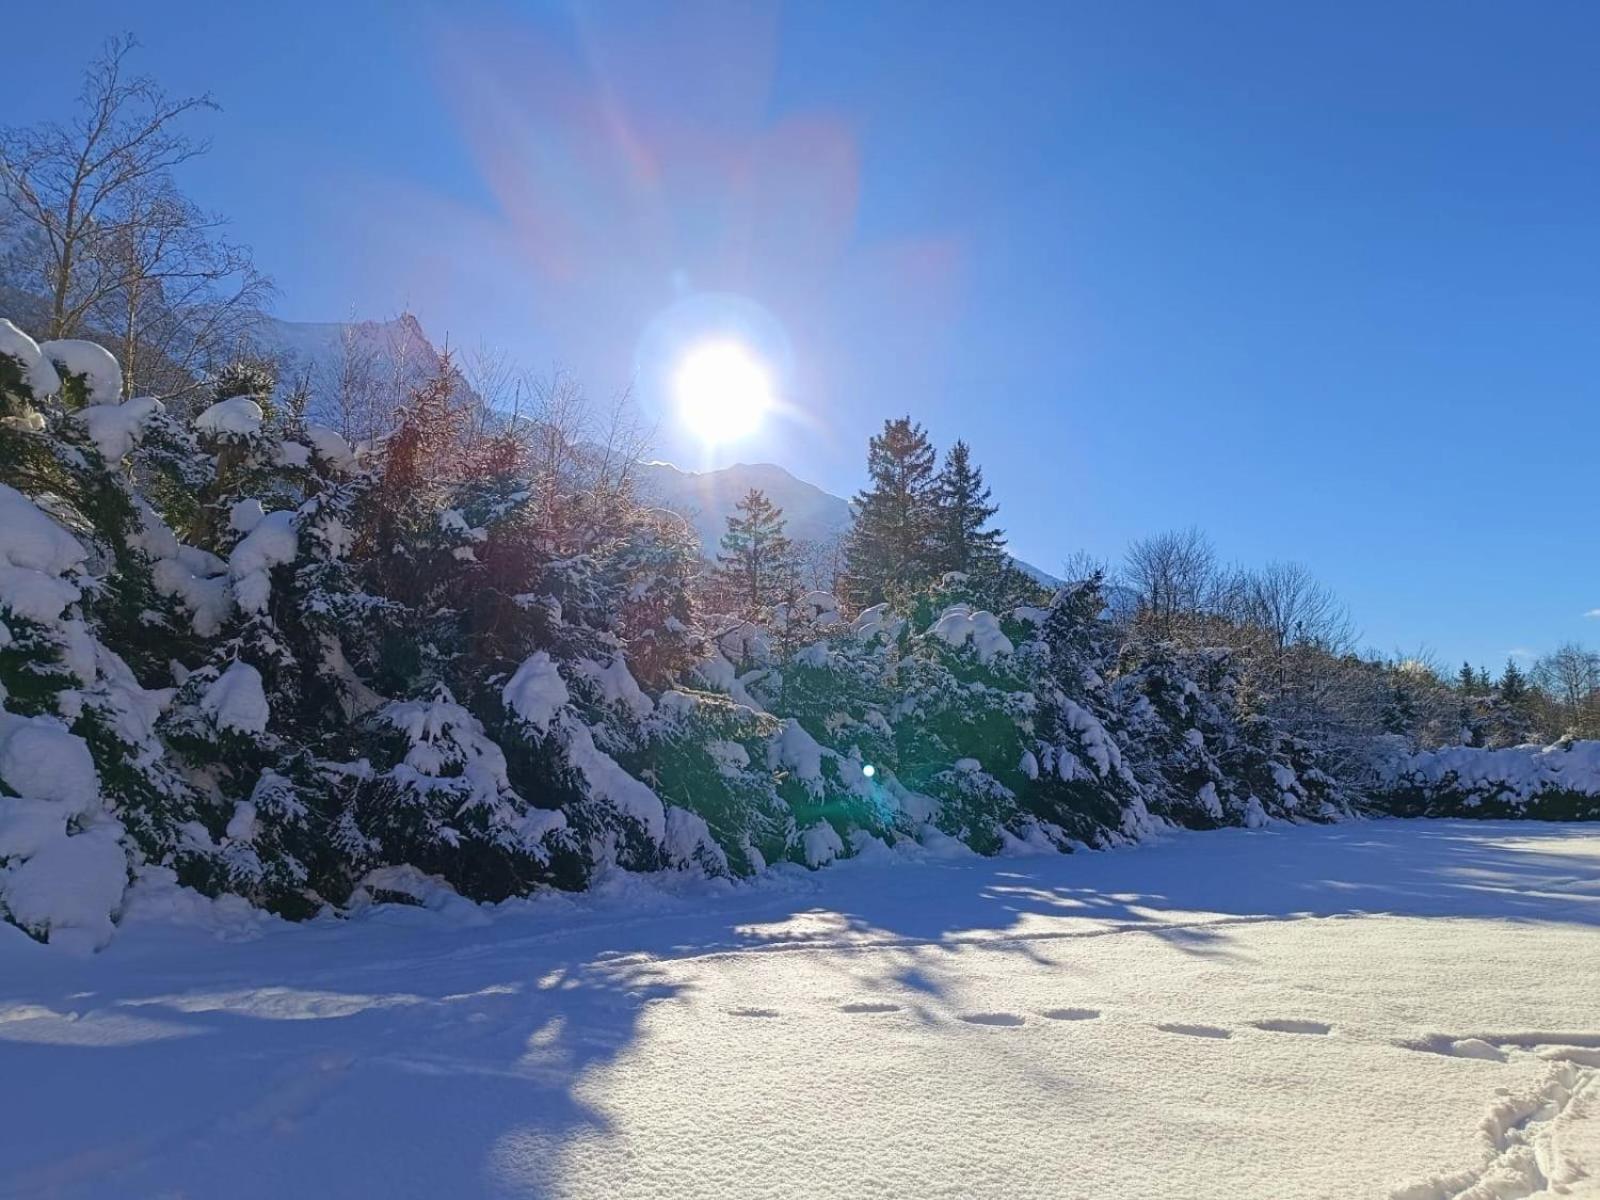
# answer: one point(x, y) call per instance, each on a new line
point(411, 1056)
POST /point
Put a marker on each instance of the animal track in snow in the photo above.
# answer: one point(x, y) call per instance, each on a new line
point(1292, 1025)
point(1071, 1014)
point(1199, 1031)
point(1531, 1139)
point(867, 1006)
point(992, 1018)
point(753, 1012)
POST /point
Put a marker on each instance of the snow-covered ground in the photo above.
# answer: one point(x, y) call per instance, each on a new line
point(1387, 1009)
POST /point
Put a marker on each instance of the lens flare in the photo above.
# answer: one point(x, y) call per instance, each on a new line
point(723, 391)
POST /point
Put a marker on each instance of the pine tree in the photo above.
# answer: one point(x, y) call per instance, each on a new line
point(1467, 680)
point(962, 540)
point(890, 546)
point(756, 564)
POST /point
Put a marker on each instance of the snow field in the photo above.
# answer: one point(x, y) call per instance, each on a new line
point(1400, 1010)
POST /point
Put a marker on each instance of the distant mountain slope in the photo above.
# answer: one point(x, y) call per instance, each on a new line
point(708, 498)
point(326, 352)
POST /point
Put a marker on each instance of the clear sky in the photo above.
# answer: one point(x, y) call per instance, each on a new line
point(1323, 279)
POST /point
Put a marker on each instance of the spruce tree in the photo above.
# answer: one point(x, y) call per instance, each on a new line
point(890, 545)
point(962, 539)
point(1467, 680)
point(1513, 684)
point(756, 564)
point(1399, 715)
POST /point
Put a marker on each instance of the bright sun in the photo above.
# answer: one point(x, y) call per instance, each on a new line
point(723, 391)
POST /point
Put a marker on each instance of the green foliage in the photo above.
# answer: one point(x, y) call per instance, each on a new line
point(889, 550)
point(756, 563)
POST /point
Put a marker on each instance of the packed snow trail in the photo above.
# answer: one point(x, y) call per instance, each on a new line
point(1397, 1010)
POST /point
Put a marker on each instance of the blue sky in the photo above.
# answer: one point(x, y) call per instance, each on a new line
point(1321, 279)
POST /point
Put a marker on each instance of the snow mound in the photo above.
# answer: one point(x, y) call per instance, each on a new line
point(70, 890)
point(237, 701)
point(960, 625)
point(236, 417)
point(115, 428)
point(245, 515)
point(94, 362)
point(196, 577)
point(821, 844)
point(1097, 741)
point(41, 377)
point(34, 553)
point(536, 692)
point(41, 761)
point(799, 752)
point(331, 447)
point(611, 784)
point(59, 885)
point(271, 542)
point(871, 622)
point(616, 684)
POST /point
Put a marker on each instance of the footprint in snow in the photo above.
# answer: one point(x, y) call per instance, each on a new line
point(1071, 1014)
point(1292, 1025)
point(753, 1012)
point(869, 1007)
point(992, 1018)
point(1470, 1047)
point(1199, 1031)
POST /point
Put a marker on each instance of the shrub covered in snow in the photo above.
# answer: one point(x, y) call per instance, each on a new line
point(1552, 783)
point(236, 655)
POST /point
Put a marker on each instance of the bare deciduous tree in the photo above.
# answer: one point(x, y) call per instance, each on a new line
point(105, 239)
point(1172, 575)
point(1570, 677)
point(187, 295)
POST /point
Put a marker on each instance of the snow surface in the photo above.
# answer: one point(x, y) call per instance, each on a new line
point(1397, 1009)
point(91, 360)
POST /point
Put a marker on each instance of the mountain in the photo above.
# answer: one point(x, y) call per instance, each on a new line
point(328, 353)
point(708, 498)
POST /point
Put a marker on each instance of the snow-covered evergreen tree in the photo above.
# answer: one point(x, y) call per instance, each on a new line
point(963, 540)
point(889, 550)
point(755, 562)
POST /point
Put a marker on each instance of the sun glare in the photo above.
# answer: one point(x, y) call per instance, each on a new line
point(723, 391)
